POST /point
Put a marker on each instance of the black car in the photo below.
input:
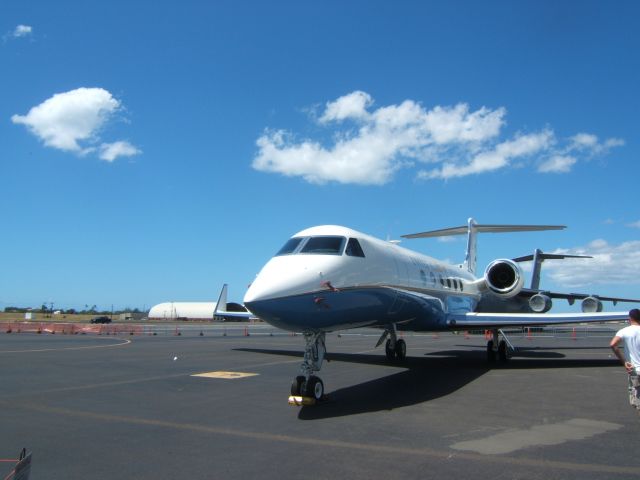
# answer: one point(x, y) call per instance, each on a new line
point(102, 319)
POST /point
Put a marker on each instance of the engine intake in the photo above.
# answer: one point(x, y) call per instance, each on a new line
point(504, 278)
point(540, 303)
point(591, 305)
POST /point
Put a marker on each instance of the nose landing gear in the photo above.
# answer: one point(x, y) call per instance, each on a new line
point(307, 389)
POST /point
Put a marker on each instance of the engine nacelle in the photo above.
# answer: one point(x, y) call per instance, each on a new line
point(591, 305)
point(540, 303)
point(504, 278)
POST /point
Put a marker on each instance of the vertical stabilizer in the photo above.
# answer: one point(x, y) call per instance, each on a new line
point(221, 305)
point(538, 257)
point(471, 257)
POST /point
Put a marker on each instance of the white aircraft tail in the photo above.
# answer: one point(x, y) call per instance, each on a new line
point(472, 229)
point(221, 307)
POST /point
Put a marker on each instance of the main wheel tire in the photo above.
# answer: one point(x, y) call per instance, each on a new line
point(296, 386)
point(491, 354)
point(401, 350)
point(389, 351)
point(503, 354)
point(314, 388)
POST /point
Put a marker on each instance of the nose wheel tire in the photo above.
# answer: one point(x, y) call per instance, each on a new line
point(296, 386)
point(313, 388)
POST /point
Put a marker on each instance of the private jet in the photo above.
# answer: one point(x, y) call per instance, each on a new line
point(329, 278)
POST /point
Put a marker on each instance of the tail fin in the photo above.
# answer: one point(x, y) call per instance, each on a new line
point(538, 257)
point(221, 307)
point(472, 229)
point(221, 304)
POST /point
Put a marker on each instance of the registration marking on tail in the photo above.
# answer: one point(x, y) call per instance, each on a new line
point(225, 375)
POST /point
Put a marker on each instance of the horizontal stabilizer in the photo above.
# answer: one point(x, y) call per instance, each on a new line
point(463, 230)
point(472, 228)
point(548, 256)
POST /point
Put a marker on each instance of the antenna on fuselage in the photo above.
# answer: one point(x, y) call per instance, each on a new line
point(472, 228)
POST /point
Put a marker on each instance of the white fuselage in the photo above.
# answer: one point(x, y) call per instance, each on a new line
point(325, 283)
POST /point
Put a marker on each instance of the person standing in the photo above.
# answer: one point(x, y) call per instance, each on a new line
point(630, 337)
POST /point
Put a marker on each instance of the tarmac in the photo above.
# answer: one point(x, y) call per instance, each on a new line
point(128, 406)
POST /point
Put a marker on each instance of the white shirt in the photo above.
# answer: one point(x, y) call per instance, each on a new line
point(631, 337)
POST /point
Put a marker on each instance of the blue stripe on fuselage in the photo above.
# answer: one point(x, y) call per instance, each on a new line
point(349, 308)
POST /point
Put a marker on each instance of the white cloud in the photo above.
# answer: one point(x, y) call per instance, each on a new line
point(353, 105)
point(494, 159)
point(456, 124)
point(618, 264)
point(634, 224)
point(22, 31)
point(71, 121)
point(557, 164)
point(591, 145)
point(378, 142)
point(111, 151)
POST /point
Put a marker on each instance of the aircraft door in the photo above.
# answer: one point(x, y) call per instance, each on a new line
point(395, 269)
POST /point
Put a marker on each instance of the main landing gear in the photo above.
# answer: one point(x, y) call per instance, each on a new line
point(395, 348)
point(498, 348)
point(308, 386)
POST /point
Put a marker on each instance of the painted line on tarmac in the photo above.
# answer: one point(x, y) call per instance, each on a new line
point(225, 375)
point(123, 342)
point(629, 471)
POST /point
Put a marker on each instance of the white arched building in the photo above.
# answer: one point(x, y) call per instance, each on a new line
point(182, 311)
point(198, 310)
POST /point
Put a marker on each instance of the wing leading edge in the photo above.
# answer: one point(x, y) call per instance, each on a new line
point(499, 320)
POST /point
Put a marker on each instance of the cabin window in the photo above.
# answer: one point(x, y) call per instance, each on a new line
point(290, 246)
point(324, 246)
point(461, 286)
point(448, 283)
point(354, 249)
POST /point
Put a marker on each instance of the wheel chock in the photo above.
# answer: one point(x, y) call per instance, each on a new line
point(297, 401)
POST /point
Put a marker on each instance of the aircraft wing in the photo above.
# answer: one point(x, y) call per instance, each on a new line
point(500, 320)
point(571, 297)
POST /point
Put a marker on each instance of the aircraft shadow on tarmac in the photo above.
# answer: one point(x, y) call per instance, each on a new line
point(433, 376)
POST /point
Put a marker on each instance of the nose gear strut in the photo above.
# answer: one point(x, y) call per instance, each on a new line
point(308, 385)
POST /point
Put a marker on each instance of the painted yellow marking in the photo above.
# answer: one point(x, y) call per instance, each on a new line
point(297, 401)
point(224, 375)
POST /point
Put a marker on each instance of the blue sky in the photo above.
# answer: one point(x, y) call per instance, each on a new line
point(151, 151)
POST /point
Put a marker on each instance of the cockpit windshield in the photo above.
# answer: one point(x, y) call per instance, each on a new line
point(324, 245)
point(321, 245)
point(290, 246)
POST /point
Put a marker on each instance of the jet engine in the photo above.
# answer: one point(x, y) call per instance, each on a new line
point(504, 278)
point(591, 305)
point(540, 303)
